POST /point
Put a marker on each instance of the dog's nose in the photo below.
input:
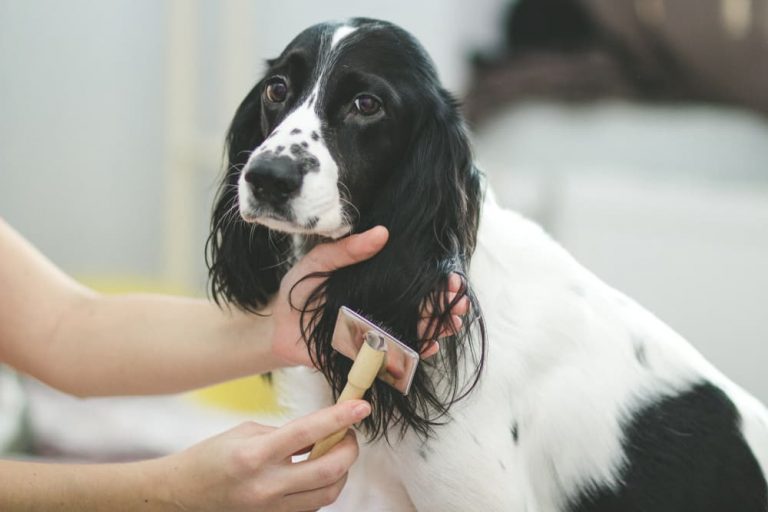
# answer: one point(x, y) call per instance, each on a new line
point(274, 179)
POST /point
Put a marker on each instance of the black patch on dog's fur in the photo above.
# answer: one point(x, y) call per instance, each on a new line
point(685, 453)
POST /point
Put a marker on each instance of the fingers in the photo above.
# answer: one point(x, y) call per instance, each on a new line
point(310, 429)
point(347, 251)
point(430, 350)
point(324, 471)
point(426, 332)
point(314, 499)
point(460, 308)
point(454, 282)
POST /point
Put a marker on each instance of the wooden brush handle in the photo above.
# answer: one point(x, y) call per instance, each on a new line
point(364, 370)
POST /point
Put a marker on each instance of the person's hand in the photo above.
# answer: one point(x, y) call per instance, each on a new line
point(459, 309)
point(286, 337)
point(287, 344)
point(249, 467)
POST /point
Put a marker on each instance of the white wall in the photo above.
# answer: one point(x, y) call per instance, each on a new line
point(667, 204)
point(81, 130)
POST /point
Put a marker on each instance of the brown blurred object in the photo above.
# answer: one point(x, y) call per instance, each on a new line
point(658, 50)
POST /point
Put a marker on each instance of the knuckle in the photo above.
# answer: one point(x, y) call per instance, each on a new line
point(250, 427)
point(260, 496)
point(331, 493)
point(246, 459)
point(349, 446)
point(355, 448)
point(331, 472)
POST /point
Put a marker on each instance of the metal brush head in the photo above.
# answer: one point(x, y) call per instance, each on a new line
point(400, 362)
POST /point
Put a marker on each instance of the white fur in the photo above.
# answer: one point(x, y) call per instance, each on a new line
point(319, 196)
point(561, 363)
point(341, 32)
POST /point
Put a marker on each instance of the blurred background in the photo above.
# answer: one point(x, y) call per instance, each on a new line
point(633, 130)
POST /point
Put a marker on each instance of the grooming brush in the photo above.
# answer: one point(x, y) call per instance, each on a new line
point(375, 353)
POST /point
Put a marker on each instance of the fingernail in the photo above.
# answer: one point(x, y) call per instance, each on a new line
point(361, 410)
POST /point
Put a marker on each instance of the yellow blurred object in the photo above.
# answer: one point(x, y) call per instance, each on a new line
point(249, 394)
point(132, 284)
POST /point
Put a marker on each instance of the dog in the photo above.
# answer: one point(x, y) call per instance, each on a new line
point(557, 393)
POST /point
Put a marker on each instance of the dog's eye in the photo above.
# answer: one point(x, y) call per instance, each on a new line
point(367, 105)
point(276, 90)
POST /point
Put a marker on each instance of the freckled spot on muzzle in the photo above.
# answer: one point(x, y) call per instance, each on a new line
point(307, 161)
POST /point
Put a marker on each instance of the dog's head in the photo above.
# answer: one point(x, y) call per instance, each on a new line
point(348, 129)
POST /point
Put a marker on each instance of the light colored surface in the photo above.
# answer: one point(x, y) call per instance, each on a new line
point(123, 427)
point(81, 130)
point(669, 205)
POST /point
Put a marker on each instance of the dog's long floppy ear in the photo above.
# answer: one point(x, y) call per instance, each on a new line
point(430, 205)
point(245, 261)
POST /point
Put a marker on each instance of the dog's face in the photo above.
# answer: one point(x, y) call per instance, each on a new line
point(334, 115)
point(348, 129)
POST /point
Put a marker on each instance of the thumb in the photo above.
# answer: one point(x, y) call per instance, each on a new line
point(347, 251)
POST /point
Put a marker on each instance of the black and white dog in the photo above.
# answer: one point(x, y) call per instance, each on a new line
point(561, 394)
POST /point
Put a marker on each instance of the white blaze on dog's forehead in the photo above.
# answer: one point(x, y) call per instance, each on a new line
point(341, 33)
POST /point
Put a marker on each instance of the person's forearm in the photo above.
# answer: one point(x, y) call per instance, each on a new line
point(138, 486)
point(87, 344)
point(149, 344)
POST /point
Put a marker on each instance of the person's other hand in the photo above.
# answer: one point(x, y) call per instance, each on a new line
point(287, 344)
point(457, 311)
point(249, 468)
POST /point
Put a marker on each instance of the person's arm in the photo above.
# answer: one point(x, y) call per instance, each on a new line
point(89, 344)
point(247, 468)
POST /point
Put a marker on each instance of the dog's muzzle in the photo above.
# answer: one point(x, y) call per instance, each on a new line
point(274, 180)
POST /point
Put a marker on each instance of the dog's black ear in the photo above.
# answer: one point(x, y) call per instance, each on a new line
point(245, 261)
point(430, 204)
